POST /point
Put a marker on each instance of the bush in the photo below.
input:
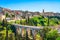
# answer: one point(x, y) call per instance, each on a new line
point(52, 35)
point(58, 38)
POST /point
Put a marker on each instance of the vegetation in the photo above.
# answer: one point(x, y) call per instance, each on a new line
point(7, 31)
point(39, 21)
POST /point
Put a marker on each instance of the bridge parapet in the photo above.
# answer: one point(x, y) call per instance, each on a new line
point(31, 27)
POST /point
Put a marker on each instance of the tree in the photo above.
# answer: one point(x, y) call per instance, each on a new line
point(52, 35)
point(4, 22)
point(58, 38)
point(45, 30)
point(7, 15)
point(48, 33)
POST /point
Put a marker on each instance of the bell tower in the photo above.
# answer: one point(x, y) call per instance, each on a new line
point(43, 11)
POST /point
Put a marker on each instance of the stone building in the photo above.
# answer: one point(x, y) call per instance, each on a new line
point(2, 16)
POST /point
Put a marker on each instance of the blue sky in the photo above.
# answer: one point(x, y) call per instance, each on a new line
point(32, 5)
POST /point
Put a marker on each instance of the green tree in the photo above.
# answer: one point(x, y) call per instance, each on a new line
point(7, 15)
point(52, 35)
point(58, 38)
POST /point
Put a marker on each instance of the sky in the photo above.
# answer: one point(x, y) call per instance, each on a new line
point(32, 5)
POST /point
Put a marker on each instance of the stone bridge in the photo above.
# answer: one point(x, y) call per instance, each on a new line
point(28, 30)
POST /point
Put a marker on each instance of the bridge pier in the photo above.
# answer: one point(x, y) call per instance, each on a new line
point(23, 31)
point(27, 34)
point(34, 34)
point(18, 33)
